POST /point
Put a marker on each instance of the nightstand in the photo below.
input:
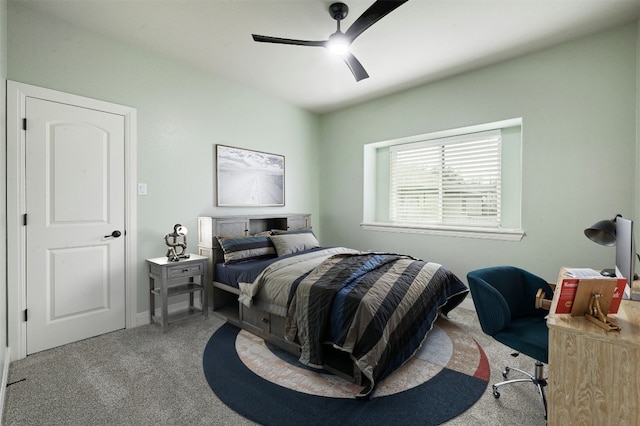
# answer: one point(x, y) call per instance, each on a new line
point(167, 279)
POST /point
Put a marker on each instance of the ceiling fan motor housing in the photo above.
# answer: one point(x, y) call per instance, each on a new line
point(338, 11)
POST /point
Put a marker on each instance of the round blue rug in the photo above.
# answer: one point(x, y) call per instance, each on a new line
point(269, 386)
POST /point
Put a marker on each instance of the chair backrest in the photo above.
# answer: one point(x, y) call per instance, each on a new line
point(503, 293)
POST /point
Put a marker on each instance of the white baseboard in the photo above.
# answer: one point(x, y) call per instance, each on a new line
point(143, 317)
point(4, 381)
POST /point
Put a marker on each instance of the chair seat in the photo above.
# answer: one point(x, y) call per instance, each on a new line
point(527, 335)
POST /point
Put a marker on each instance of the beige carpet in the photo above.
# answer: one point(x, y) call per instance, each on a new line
point(141, 376)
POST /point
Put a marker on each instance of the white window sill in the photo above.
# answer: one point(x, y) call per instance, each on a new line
point(449, 231)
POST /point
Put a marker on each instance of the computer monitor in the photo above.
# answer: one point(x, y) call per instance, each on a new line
point(625, 252)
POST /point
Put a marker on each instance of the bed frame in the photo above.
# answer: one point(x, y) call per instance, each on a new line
point(223, 299)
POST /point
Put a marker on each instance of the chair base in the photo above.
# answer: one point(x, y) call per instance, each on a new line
point(538, 380)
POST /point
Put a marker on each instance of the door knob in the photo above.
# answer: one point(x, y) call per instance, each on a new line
point(114, 234)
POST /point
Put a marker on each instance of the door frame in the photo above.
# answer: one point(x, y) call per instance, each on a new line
point(16, 232)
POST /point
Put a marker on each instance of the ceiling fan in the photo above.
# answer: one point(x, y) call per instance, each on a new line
point(340, 42)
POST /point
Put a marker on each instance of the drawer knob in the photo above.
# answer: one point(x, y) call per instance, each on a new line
point(265, 320)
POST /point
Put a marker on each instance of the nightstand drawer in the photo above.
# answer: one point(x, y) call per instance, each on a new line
point(184, 271)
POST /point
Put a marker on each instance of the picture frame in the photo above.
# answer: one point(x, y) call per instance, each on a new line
point(248, 178)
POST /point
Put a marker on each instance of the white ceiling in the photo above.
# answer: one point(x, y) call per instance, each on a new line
point(421, 41)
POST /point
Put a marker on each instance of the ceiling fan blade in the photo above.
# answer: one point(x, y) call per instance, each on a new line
point(279, 40)
point(376, 11)
point(356, 67)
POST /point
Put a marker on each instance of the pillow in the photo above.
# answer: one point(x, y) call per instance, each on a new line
point(293, 243)
point(294, 231)
point(242, 249)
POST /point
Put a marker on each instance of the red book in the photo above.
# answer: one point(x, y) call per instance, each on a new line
point(617, 295)
point(568, 289)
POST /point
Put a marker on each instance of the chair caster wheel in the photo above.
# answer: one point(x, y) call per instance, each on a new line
point(505, 373)
point(496, 394)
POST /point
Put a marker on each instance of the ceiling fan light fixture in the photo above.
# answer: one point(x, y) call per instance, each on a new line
point(338, 44)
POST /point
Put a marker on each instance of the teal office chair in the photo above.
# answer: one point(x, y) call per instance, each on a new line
point(504, 297)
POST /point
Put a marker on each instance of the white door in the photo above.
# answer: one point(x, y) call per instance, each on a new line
point(75, 224)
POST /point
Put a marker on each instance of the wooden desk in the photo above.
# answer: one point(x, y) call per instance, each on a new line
point(594, 375)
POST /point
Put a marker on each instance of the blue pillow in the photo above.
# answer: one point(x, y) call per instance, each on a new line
point(243, 249)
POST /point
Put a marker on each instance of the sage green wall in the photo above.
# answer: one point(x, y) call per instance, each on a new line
point(577, 101)
point(637, 175)
point(182, 113)
point(578, 105)
point(3, 197)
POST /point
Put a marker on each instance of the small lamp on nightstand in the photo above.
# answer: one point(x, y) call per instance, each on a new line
point(177, 240)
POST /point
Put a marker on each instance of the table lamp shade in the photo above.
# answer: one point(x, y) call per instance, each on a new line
point(603, 232)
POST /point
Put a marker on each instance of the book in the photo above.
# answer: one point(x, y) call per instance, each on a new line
point(582, 273)
point(611, 289)
point(618, 293)
point(568, 289)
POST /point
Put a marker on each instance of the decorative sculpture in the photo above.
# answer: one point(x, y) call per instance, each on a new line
point(177, 240)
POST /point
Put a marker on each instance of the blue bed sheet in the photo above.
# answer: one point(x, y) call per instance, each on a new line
point(247, 272)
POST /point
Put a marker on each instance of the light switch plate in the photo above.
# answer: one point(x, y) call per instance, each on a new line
point(142, 189)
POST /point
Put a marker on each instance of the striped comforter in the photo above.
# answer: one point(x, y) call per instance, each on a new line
point(378, 307)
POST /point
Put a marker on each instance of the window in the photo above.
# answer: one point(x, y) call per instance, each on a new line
point(463, 182)
point(452, 180)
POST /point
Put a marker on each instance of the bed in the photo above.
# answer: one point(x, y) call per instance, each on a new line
point(360, 315)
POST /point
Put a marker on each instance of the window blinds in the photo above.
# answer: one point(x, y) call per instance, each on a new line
point(451, 181)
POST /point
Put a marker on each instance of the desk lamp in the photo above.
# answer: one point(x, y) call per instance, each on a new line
point(604, 233)
point(177, 239)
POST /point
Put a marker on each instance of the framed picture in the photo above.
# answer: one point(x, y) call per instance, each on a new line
point(248, 178)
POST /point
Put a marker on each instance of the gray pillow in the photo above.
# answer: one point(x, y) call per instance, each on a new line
point(293, 243)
